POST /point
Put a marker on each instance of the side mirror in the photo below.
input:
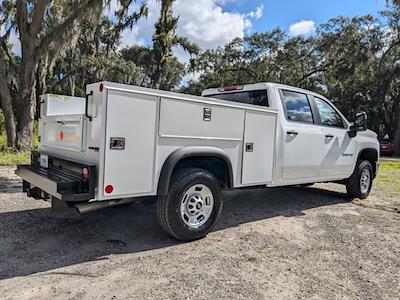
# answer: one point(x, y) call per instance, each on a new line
point(360, 124)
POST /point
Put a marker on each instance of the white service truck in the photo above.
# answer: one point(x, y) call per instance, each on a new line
point(122, 142)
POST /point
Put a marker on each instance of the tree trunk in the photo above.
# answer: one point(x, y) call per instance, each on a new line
point(26, 102)
point(7, 107)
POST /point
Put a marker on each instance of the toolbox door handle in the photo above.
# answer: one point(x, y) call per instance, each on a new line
point(249, 147)
point(87, 106)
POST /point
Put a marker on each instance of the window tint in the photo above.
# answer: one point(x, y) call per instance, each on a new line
point(328, 114)
point(252, 97)
point(297, 107)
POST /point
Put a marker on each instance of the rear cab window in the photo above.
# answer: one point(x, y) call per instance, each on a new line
point(297, 107)
point(257, 97)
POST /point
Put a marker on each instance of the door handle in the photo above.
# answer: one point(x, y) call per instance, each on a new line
point(292, 132)
point(87, 106)
point(249, 147)
point(329, 136)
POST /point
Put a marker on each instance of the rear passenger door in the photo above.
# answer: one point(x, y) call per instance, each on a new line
point(303, 140)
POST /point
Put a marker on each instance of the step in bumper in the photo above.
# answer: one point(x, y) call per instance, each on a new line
point(62, 184)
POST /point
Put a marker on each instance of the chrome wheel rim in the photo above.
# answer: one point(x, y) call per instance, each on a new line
point(197, 205)
point(365, 181)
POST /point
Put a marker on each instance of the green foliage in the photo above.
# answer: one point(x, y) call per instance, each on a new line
point(144, 59)
point(354, 62)
point(164, 39)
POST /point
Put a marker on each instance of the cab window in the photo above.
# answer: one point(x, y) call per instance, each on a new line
point(328, 115)
point(297, 107)
point(259, 97)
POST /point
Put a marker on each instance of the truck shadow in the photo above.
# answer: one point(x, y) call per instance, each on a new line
point(10, 185)
point(35, 241)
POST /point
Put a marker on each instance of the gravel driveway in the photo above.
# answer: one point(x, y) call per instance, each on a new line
point(283, 243)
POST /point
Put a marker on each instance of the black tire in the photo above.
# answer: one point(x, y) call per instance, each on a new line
point(353, 183)
point(169, 206)
point(304, 185)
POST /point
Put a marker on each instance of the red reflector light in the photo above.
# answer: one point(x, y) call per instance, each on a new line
point(101, 87)
point(230, 88)
point(109, 189)
point(85, 174)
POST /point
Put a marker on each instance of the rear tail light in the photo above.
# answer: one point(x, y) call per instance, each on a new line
point(85, 174)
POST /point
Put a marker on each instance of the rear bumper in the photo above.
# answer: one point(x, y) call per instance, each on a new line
point(60, 183)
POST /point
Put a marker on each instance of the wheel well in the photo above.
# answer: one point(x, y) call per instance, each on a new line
point(371, 155)
point(215, 165)
point(212, 159)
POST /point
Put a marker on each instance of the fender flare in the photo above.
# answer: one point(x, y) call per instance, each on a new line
point(191, 151)
point(361, 151)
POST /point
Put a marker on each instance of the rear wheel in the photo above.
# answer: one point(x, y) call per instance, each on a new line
point(360, 183)
point(306, 184)
point(193, 204)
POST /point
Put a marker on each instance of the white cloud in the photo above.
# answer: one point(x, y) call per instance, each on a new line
point(303, 27)
point(223, 2)
point(257, 13)
point(203, 22)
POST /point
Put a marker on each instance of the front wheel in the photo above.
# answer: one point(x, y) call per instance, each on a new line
point(360, 183)
point(193, 204)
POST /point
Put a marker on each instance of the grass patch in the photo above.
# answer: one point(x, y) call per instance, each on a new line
point(10, 157)
point(389, 166)
point(388, 179)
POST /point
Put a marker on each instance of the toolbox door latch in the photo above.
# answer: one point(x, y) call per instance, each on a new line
point(117, 143)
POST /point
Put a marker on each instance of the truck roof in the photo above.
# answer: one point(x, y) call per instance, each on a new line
point(253, 87)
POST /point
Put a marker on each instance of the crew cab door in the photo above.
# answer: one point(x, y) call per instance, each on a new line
point(339, 148)
point(303, 140)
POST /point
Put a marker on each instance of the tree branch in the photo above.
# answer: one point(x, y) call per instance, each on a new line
point(60, 30)
point(37, 19)
point(22, 18)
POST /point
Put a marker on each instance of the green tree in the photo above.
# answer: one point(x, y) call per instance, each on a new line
point(164, 39)
point(44, 27)
point(145, 61)
point(95, 57)
point(354, 62)
point(49, 30)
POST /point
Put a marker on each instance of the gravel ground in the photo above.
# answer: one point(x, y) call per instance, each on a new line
point(283, 243)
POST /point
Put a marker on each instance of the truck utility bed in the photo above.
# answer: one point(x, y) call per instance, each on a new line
point(129, 132)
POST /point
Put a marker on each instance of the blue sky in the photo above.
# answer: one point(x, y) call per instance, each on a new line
point(283, 13)
point(213, 23)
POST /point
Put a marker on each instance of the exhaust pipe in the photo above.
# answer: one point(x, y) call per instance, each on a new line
point(85, 208)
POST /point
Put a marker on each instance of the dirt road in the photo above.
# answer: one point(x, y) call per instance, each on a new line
point(284, 243)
